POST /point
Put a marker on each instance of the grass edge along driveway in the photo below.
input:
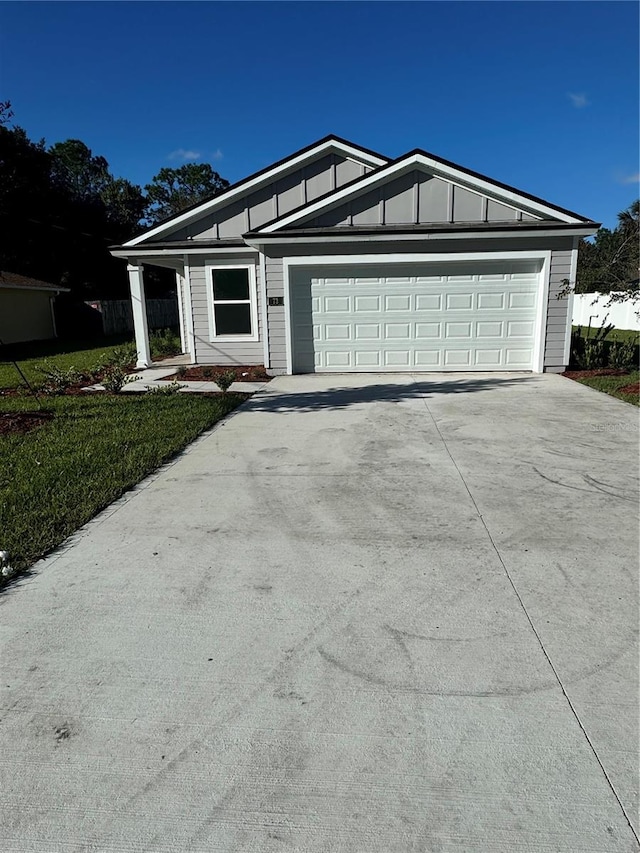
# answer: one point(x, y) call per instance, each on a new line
point(58, 476)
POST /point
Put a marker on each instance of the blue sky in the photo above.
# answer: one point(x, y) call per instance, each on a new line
point(541, 95)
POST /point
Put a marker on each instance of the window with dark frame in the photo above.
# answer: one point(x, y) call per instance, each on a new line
point(232, 301)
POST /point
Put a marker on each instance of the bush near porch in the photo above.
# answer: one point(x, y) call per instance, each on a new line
point(81, 355)
point(83, 454)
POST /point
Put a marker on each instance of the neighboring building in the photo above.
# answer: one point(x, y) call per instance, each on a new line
point(26, 308)
point(339, 259)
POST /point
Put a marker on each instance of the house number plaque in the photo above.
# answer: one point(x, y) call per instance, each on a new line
point(276, 300)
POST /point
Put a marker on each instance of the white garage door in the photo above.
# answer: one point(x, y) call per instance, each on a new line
point(474, 316)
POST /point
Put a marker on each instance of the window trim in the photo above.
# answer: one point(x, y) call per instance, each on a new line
point(253, 302)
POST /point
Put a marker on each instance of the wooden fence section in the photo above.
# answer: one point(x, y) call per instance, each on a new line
point(117, 315)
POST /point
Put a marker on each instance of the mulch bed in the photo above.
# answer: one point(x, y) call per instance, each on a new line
point(17, 423)
point(209, 373)
point(587, 374)
point(634, 389)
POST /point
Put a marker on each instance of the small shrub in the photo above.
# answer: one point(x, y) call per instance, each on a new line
point(123, 357)
point(226, 379)
point(594, 354)
point(623, 354)
point(207, 372)
point(181, 371)
point(115, 377)
point(57, 380)
point(591, 352)
point(164, 342)
point(164, 390)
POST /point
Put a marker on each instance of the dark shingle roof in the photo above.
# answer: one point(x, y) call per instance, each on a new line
point(12, 279)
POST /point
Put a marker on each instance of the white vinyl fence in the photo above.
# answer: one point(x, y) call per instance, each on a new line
point(593, 309)
point(117, 315)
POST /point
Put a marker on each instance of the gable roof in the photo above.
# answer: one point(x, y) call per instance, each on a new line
point(438, 167)
point(23, 282)
point(324, 145)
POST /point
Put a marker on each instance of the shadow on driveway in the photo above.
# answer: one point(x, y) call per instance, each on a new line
point(275, 400)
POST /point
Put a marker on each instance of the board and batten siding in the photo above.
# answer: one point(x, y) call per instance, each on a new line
point(416, 198)
point(557, 309)
point(291, 191)
point(221, 352)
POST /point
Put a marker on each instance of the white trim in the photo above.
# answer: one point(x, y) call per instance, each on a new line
point(53, 315)
point(573, 271)
point(265, 177)
point(457, 257)
point(191, 336)
point(439, 170)
point(139, 311)
point(543, 311)
point(395, 237)
point(159, 253)
point(252, 301)
point(180, 294)
point(264, 310)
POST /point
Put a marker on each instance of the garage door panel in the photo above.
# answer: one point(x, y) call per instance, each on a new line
point(488, 358)
point(428, 330)
point(459, 301)
point(367, 303)
point(453, 319)
point(368, 331)
point(522, 300)
point(457, 358)
point(368, 359)
point(334, 332)
point(457, 330)
point(428, 302)
point(397, 330)
point(337, 304)
point(398, 302)
point(490, 301)
point(428, 359)
point(489, 329)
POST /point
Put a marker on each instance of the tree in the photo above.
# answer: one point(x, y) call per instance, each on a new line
point(172, 190)
point(79, 173)
point(125, 205)
point(610, 264)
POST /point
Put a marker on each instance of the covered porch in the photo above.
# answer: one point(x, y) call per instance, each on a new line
point(135, 270)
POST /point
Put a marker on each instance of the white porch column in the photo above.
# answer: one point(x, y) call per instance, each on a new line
point(139, 306)
point(180, 294)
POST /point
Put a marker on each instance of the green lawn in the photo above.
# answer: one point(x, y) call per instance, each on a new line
point(614, 334)
point(83, 355)
point(612, 384)
point(58, 476)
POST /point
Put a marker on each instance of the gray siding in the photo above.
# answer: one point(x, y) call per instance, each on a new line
point(254, 209)
point(223, 352)
point(415, 198)
point(276, 316)
point(557, 309)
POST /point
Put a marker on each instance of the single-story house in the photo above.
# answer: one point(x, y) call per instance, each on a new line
point(26, 308)
point(339, 259)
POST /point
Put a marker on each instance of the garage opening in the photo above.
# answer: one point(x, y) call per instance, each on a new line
point(448, 316)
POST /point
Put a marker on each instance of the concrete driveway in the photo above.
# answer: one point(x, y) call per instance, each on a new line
point(364, 614)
